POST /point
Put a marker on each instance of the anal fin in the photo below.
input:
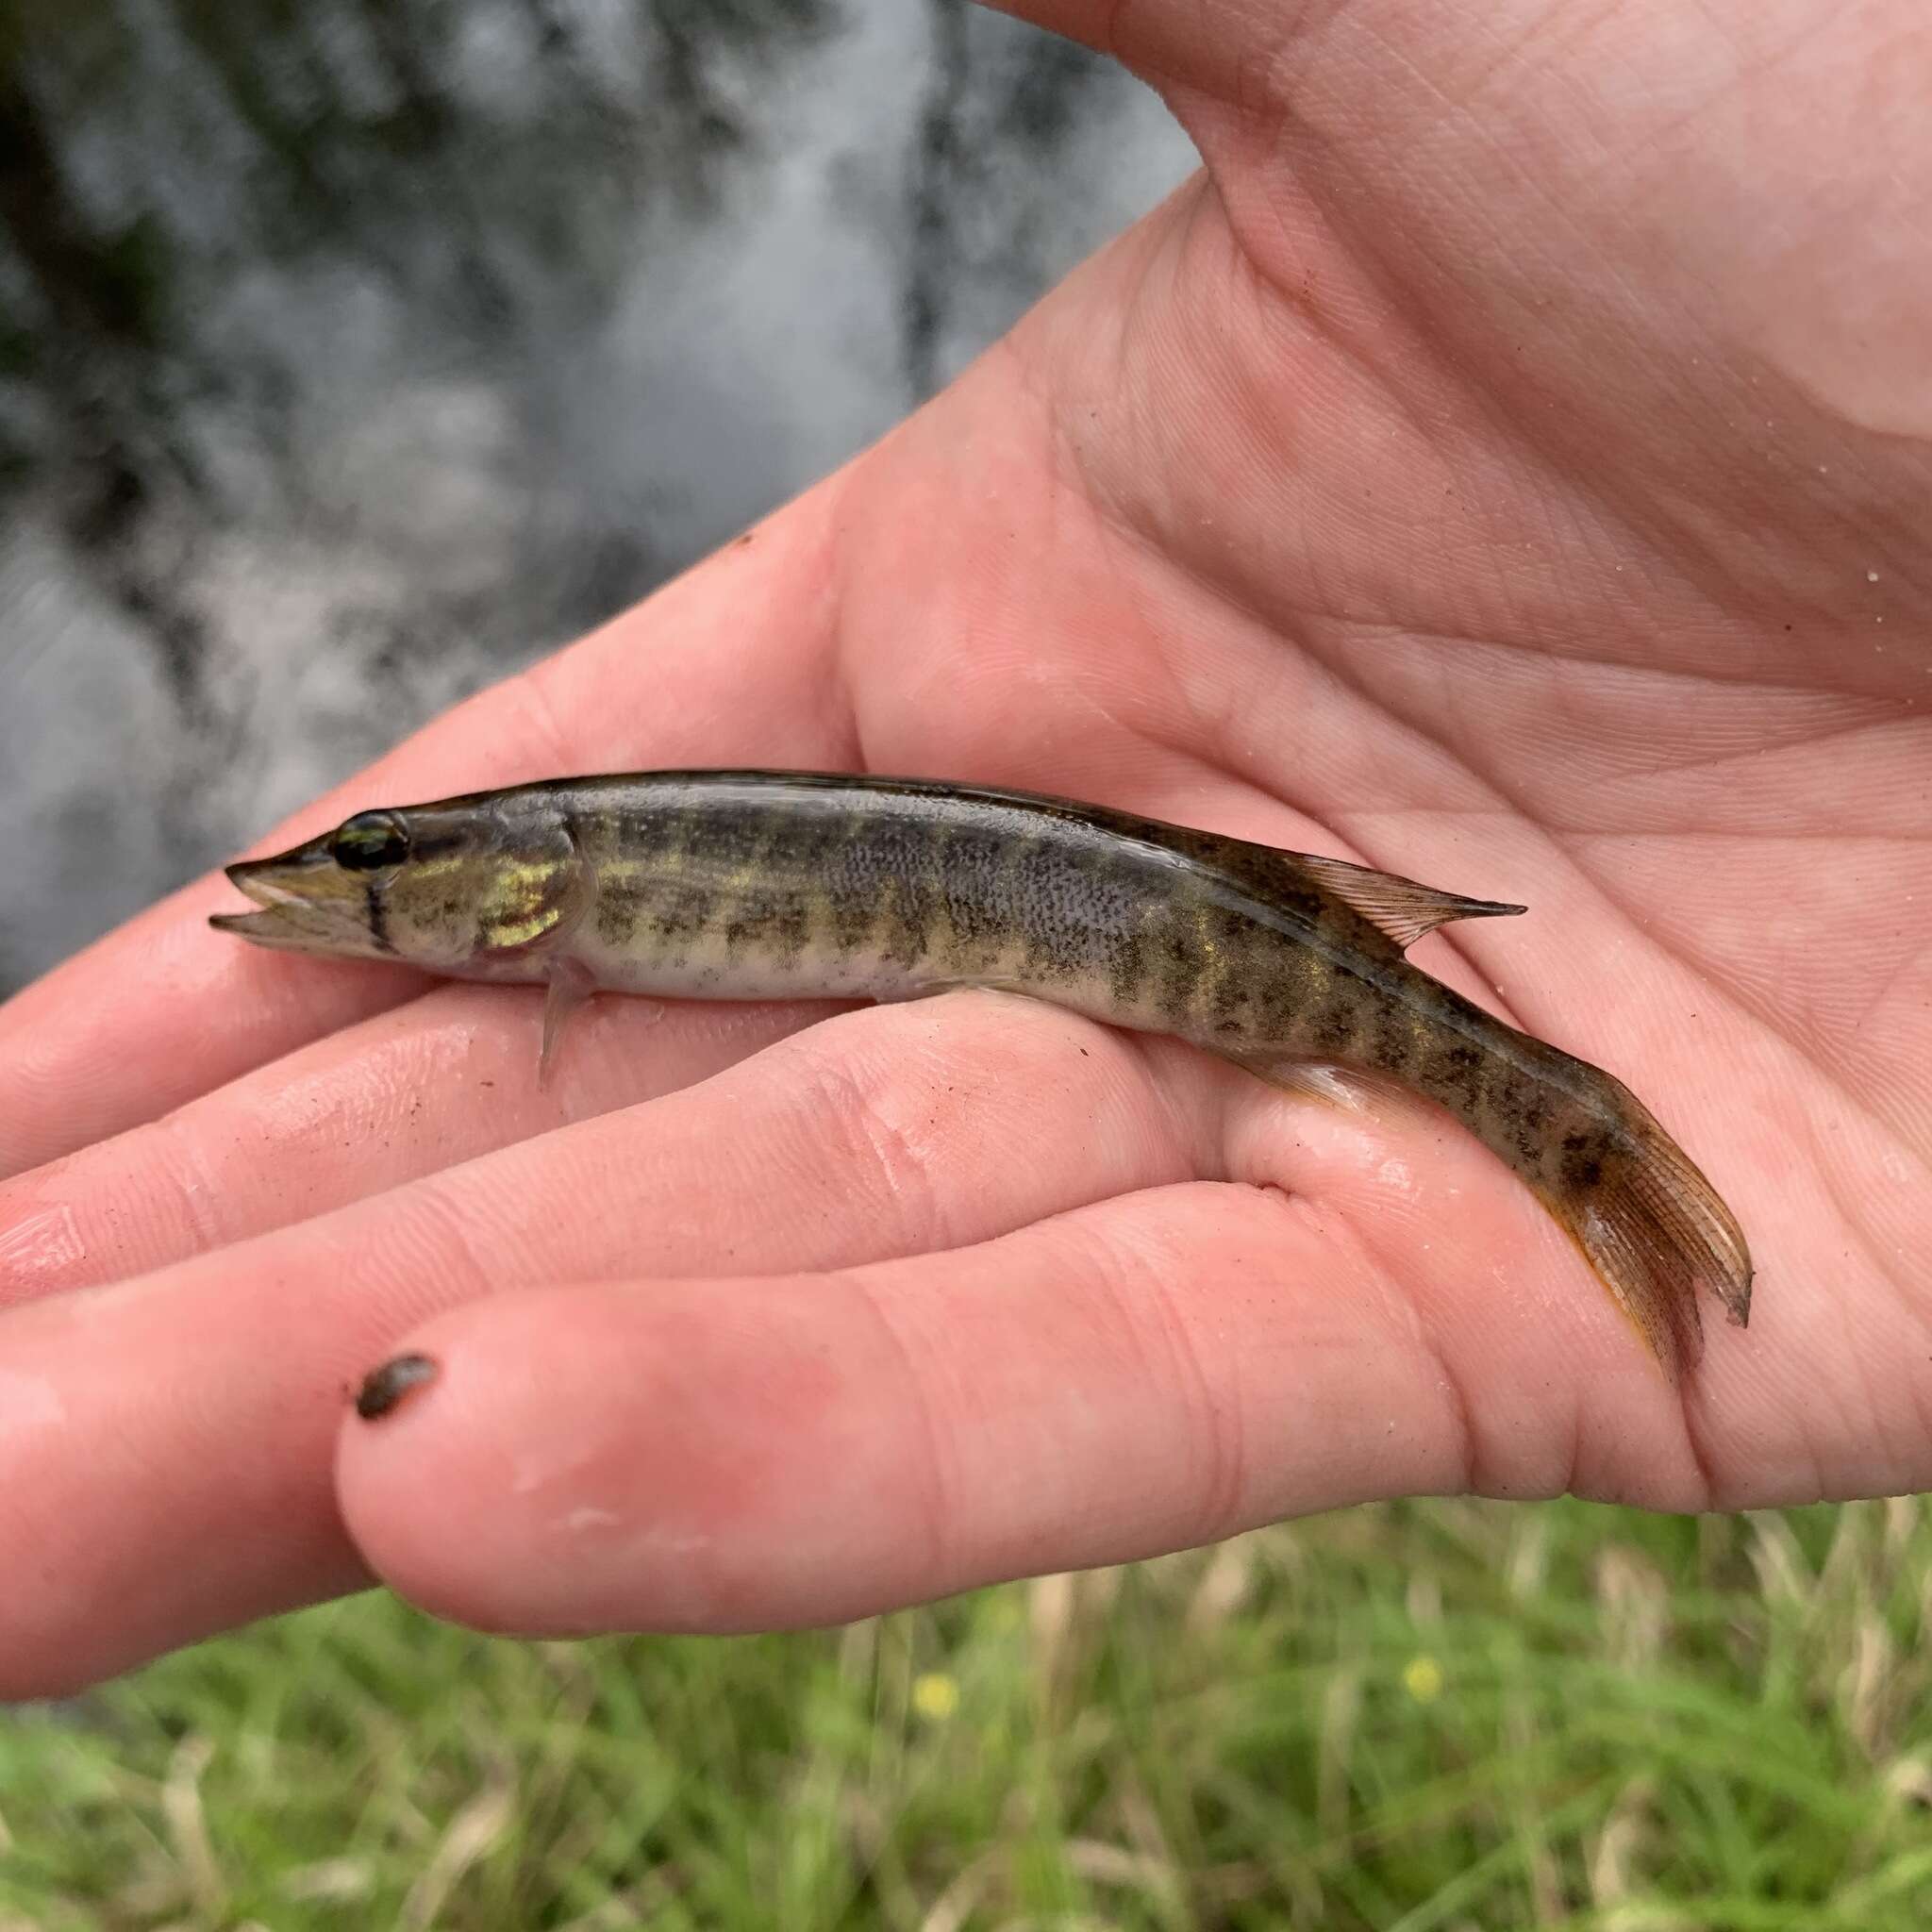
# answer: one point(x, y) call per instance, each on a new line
point(1353, 1089)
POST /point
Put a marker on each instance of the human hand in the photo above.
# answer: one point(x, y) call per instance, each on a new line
point(1481, 471)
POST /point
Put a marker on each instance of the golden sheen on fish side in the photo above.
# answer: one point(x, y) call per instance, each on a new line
point(764, 885)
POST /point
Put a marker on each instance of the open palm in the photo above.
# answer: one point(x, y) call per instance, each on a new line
point(1508, 463)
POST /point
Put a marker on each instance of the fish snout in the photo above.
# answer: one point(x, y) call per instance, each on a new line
point(306, 904)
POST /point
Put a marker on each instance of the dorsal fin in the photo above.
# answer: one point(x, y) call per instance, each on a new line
point(1397, 907)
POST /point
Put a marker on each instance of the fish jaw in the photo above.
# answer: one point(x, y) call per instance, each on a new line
point(306, 904)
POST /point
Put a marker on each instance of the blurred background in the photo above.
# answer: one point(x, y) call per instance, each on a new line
point(353, 352)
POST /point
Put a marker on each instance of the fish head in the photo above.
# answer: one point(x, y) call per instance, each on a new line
point(460, 888)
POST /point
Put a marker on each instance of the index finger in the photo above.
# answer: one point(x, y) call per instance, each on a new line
point(733, 654)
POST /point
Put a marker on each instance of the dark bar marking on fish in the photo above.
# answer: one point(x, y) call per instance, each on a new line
point(1227, 997)
point(775, 916)
point(1055, 906)
point(1394, 1037)
point(378, 923)
point(1126, 968)
point(1179, 964)
point(680, 912)
point(619, 902)
point(970, 892)
point(1332, 1025)
point(852, 888)
point(1456, 1069)
point(749, 885)
point(1583, 1159)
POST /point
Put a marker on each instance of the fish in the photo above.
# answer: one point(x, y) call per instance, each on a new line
point(752, 885)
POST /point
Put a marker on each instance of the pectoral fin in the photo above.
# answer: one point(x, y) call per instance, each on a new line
point(570, 985)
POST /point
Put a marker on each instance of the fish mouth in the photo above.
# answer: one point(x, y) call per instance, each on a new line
point(305, 903)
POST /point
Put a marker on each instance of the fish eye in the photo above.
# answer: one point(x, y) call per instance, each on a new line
point(369, 842)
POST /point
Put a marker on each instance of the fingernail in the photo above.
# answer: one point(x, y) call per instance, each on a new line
point(383, 1387)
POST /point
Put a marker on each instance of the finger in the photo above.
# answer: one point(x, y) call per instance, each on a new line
point(1163, 42)
point(1130, 1379)
point(425, 1086)
point(152, 1014)
point(163, 1009)
point(169, 1440)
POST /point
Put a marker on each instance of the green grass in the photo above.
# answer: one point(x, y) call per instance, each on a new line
point(1438, 1715)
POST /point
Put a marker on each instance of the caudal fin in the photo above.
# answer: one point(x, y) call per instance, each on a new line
point(1632, 1200)
point(1658, 1236)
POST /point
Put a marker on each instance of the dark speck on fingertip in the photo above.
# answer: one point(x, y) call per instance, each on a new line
point(383, 1387)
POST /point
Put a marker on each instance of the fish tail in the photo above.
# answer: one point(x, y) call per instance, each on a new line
point(1650, 1225)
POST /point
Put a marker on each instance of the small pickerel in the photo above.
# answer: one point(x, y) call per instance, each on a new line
point(764, 885)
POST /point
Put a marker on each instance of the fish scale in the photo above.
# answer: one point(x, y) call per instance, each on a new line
point(772, 885)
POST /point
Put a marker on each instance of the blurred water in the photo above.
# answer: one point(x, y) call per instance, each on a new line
point(353, 352)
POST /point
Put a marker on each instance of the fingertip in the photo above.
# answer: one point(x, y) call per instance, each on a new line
point(409, 1463)
point(633, 1456)
point(467, 1462)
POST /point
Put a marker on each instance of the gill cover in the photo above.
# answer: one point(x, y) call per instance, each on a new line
point(531, 893)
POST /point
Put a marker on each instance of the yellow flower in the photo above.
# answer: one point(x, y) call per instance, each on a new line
point(935, 1695)
point(1422, 1678)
